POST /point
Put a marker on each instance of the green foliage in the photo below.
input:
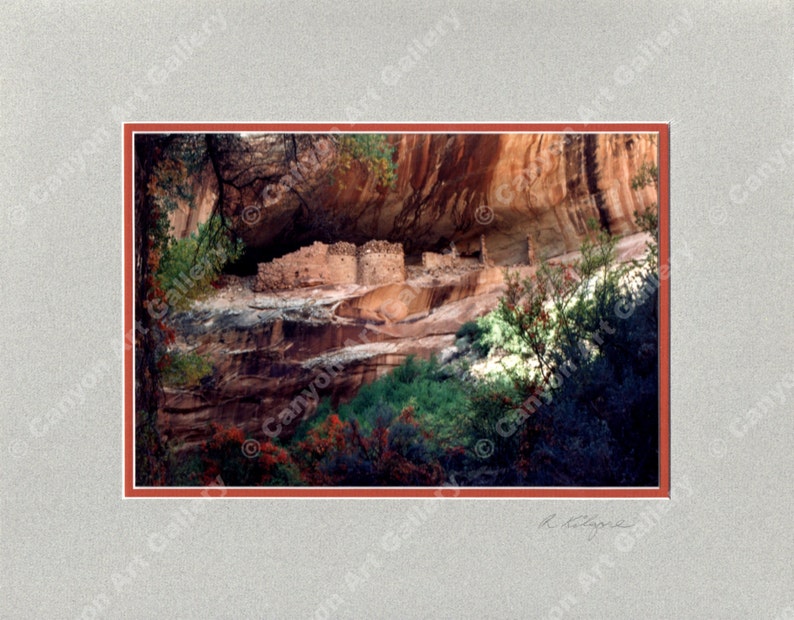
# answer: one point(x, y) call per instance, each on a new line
point(184, 466)
point(498, 335)
point(184, 369)
point(469, 330)
point(600, 425)
point(171, 182)
point(491, 333)
point(493, 403)
point(475, 335)
point(373, 151)
point(648, 174)
point(648, 220)
point(323, 410)
point(189, 266)
point(561, 306)
point(438, 399)
point(590, 342)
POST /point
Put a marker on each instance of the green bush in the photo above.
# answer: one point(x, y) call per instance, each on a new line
point(475, 334)
point(189, 266)
point(648, 174)
point(594, 327)
point(490, 332)
point(373, 151)
point(184, 369)
point(499, 335)
point(469, 330)
point(548, 316)
point(439, 399)
point(494, 402)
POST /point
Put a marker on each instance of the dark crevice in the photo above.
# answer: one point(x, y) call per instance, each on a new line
point(591, 172)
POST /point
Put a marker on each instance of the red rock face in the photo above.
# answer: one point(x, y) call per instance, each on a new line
point(327, 342)
point(449, 188)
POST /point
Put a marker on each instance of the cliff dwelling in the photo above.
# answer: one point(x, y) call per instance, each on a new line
point(375, 263)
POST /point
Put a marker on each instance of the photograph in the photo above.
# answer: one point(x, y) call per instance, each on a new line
point(396, 310)
point(397, 307)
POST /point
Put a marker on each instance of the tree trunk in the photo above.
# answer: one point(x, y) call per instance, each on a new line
point(149, 450)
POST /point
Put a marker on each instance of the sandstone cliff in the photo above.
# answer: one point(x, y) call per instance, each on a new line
point(450, 187)
point(276, 353)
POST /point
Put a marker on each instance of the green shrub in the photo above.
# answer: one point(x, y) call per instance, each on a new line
point(598, 424)
point(439, 400)
point(497, 334)
point(561, 306)
point(475, 334)
point(184, 369)
point(494, 402)
point(373, 151)
point(648, 174)
point(490, 332)
point(469, 330)
point(189, 266)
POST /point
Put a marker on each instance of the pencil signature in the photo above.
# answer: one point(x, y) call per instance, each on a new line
point(583, 522)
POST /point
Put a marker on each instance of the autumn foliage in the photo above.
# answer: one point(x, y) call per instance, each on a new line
point(334, 453)
point(393, 454)
point(224, 455)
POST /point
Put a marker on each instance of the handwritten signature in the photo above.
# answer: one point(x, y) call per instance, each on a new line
point(583, 522)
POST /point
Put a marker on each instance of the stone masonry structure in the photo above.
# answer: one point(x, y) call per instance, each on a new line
point(306, 267)
point(381, 262)
point(531, 257)
point(449, 259)
point(342, 263)
point(484, 258)
point(376, 262)
point(432, 261)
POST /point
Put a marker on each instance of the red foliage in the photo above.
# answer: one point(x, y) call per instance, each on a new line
point(338, 453)
point(221, 436)
point(223, 455)
point(325, 438)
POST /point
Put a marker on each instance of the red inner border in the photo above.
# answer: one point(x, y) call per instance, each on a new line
point(662, 491)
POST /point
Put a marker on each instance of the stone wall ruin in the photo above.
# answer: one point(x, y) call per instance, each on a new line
point(374, 263)
point(381, 262)
point(319, 264)
point(342, 263)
